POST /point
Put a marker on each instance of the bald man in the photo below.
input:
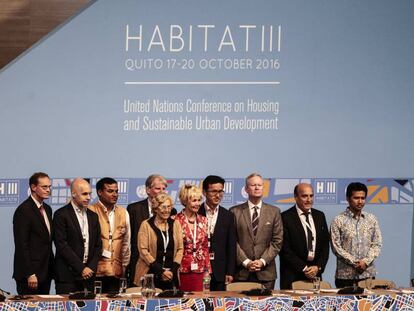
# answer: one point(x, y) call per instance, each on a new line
point(77, 238)
point(305, 247)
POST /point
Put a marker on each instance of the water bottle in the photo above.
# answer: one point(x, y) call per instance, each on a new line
point(206, 281)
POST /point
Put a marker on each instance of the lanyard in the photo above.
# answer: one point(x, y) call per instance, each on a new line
point(310, 227)
point(211, 223)
point(82, 214)
point(165, 240)
point(194, 234)
point(82, 223)
point(210, 227)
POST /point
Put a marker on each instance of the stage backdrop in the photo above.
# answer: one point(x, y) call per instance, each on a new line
point(318, 91)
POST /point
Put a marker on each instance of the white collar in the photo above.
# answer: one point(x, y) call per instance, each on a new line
point(251, 205)
point(38, 204)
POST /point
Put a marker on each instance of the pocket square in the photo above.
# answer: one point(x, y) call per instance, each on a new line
point(268, 223)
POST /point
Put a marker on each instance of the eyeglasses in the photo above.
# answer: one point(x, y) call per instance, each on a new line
point(165, 207)
point(215, 192)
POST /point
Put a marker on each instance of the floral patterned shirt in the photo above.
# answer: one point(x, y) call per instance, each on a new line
point(355, 238)
point(198, 254)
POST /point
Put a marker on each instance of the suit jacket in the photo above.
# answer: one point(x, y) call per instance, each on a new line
point(223, 244)
point(69, 244)
point(294, 253)
point(33, 243)
point(148, 244)
point(266, 244)
point(138, 212)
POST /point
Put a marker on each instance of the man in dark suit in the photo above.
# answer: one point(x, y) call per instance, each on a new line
point(221, 233)
point(140, 211)
point(33, 256)
point(259, 235)
point(78, 241)
point(305, 247)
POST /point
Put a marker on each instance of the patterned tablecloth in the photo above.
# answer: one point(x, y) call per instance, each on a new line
point(391, 301)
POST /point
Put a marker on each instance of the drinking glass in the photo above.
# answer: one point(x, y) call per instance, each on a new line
point(368, 283)
point(317, 284)
point(97, 288)
point(147, 286)
point(122, 285)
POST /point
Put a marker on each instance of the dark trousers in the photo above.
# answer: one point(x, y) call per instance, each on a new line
point(341, 283)
point(216, 285)
point(267, 284)
point(131, 272)
point(76, 286)
point(110, 284)
point(43, 288)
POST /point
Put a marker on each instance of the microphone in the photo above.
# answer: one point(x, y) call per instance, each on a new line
point(3, 294)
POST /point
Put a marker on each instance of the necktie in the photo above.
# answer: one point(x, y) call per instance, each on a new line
point(43, 212)
point(255, 220)
point(309, 231)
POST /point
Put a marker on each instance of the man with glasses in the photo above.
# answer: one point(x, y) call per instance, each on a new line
point(32, 230)
point(140, 211)
point(221, 233)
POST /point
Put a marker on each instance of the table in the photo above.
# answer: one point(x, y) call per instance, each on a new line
point(223, 301)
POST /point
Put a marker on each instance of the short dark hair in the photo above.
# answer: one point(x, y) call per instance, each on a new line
point(295, 191)
point(34, 179)
point(105, 181)
point(356, 186)
point(212, 179)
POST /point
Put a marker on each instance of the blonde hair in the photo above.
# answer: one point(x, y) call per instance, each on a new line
point(187, 192)
point(251, 176)
point(151, 178)
point(161, 198)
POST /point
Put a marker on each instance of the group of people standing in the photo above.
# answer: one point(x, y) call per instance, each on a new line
point(107, 242)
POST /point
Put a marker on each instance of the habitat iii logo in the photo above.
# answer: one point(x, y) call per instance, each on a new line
point(9, 191)
point(326, 191)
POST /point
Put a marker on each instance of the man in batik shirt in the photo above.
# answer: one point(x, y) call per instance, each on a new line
point(356, 239)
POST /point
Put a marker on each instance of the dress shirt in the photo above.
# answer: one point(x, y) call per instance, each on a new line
point(251, 209)
point(355, 238)
point(211, 214)
point(149, 208)
point(44, 215)
point(126, 240)
point(302, 217)
point(82, 217)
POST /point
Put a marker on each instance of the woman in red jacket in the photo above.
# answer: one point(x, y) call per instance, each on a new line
point(196, 253)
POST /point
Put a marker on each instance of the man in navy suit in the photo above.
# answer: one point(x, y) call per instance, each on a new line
point(305, 249)
point(78, 241)
point(221, 233)
point(33, 256)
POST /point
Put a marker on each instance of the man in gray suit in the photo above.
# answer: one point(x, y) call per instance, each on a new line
point(259, 235)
